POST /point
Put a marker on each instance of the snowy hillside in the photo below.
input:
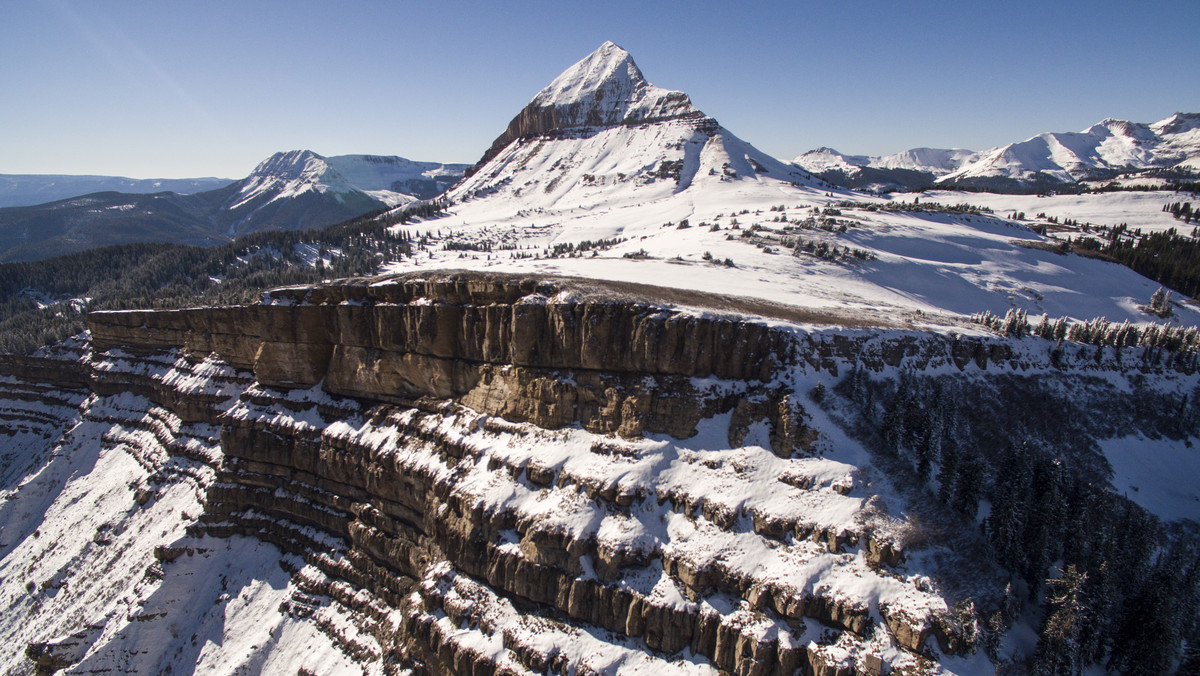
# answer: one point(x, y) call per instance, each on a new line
point(301, 189)
point(288, 174)
point(395, 180)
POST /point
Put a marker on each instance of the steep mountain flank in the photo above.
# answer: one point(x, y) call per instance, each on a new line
point(480, 472)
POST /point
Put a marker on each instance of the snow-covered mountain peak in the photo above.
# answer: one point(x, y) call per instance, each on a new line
point(301, 184)
point(1103, 149)
point(292, 165)
point(607, 88)
point(600, 139)
point(1177, 124)
point(1135, 132)
point(607, 71)
point(288, 174)
point(828, 159)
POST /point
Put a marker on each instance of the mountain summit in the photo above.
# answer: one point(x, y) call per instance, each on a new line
point(600, 136)
point(605, 89)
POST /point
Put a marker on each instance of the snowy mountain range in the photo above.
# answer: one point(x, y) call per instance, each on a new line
point(294, 190)
point(1102, 151)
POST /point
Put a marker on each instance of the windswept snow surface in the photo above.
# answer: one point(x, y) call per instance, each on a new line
point(1150, 471)
point(928, 268)
point(1136, 209)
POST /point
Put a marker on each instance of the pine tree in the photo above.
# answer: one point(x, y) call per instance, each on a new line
point(1058, 650)
point(1007, 522)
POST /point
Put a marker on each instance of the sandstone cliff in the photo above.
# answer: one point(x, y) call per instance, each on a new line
point(486, 474)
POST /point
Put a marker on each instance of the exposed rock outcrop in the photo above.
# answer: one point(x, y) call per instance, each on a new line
point(484, 453)
point(553, 354)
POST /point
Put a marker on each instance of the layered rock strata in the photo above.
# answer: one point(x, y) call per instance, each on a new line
point(486, 473)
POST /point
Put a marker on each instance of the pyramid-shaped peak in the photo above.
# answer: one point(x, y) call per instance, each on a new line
point(606, 89)
point(608, 72)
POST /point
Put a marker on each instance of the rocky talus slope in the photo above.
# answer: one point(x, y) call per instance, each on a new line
point(478, 474)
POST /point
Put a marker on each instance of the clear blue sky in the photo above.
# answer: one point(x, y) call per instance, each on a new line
point(174, 89)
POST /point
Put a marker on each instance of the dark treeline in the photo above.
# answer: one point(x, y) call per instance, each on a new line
point(1167, 257)
point(42, 302)
point(1183, 211)
point(1107, 583)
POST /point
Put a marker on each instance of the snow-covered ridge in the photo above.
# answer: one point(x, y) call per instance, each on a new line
point(389, 180)
point(937, 161)
point(1101, 150)
point(382, 172)
point(1109, 146)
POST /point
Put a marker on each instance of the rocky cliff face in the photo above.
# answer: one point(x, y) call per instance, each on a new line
point(490, 474)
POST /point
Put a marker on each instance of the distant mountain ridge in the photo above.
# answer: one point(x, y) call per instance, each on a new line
point(20, 190)
point(293, 190)
point(1104, 150)
point(1101, 151)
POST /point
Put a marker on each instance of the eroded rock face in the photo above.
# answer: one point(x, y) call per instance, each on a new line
point(544, 352)
point(506, 347)
point(391, 481)
point(509, 457)
point(487, 472)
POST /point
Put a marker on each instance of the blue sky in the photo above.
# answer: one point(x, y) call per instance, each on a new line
point(166, 89)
